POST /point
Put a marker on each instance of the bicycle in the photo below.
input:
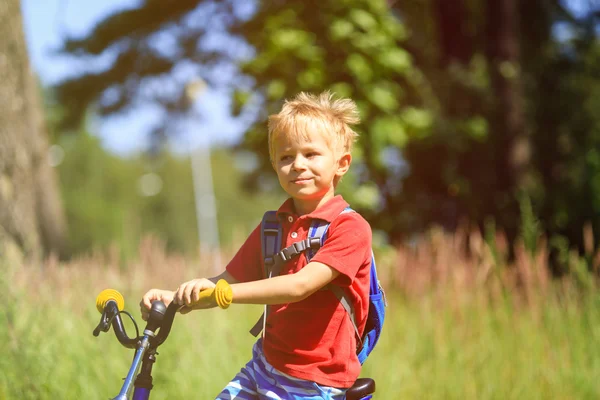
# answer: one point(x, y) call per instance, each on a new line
point(110, 304)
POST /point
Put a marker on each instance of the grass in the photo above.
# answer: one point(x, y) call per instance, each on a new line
point(461, 324)
point(489, 353)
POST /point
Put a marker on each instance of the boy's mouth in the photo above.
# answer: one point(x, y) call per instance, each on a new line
point(300, 180)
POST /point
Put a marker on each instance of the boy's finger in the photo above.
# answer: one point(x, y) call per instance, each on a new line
point(145, 302)
point(177, 296)
point(188, 294)
point(196, 293)
point(143, 311)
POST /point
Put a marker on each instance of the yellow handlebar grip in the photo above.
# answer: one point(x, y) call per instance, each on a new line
point(206, 294)
point(221, 294)
point(109, 294)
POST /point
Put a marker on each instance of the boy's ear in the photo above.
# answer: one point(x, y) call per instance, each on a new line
point(344, 164)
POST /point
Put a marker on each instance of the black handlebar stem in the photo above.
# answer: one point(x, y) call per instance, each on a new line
point(156, 315)
point(165, 327)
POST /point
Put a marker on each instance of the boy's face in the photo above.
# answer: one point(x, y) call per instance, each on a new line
point(308, 168)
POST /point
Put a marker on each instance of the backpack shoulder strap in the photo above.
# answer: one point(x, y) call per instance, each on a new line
point(270, 240)
point(319, 229)
point(270, 243)
point(347, 304)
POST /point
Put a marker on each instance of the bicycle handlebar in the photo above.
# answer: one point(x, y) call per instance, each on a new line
point(169, 315)
point(110, 303)
point(113, 317)
point(167, 323)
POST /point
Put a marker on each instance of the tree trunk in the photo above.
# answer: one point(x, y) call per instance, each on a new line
point(452, 21)
point(512, 143)
point(31, 213)
point(514, 148)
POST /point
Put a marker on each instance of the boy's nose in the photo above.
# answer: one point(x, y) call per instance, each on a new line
point(298, 163)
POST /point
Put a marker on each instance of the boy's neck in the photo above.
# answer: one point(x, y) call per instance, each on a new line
point(304, 207)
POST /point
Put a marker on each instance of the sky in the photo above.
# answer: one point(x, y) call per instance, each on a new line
point(46, 22)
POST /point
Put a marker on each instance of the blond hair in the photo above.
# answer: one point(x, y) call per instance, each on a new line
point(307, 113)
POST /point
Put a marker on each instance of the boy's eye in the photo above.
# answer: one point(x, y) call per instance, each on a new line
point(312, 154)
point(285, 158)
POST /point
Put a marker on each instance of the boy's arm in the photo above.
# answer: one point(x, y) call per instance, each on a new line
point(184, 292)
point(285, 288)
point(278, 290)
point(224, 275)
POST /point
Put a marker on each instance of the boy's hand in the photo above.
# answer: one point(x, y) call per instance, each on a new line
point(166, 296)
point(188, 295)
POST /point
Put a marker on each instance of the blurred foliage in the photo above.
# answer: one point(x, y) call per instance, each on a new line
point(355, 49)
point(444, 121)
point(106, 205)
point(466, 105)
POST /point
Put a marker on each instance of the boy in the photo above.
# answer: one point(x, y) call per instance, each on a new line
point(308, 348)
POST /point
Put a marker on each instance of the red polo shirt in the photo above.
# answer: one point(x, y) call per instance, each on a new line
point(314, 339)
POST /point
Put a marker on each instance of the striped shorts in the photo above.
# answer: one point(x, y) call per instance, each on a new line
point(258, 380)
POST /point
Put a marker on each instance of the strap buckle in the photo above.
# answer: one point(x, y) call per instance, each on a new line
point(314, 243)
point(291, 251)
point(297, 248)
point(300, 246)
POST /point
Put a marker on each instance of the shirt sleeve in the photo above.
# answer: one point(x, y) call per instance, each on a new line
point(347, 247)
point(247, 264)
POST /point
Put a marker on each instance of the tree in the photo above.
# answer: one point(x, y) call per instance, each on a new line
point(30, 209)
point(144, 72)
point(501, 60)
point(565, 114)
point(354, 48)
point(452, 108)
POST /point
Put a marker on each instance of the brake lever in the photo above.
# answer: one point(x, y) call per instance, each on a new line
point(103, 325)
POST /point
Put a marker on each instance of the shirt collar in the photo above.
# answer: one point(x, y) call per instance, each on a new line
point(327, 211)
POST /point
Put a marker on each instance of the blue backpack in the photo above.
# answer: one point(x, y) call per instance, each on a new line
point(274, 258)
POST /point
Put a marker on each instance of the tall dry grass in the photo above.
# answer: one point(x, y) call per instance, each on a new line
point(464, 264)
point(464, 321)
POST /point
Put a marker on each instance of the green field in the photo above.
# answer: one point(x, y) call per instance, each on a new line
point(433, 346)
